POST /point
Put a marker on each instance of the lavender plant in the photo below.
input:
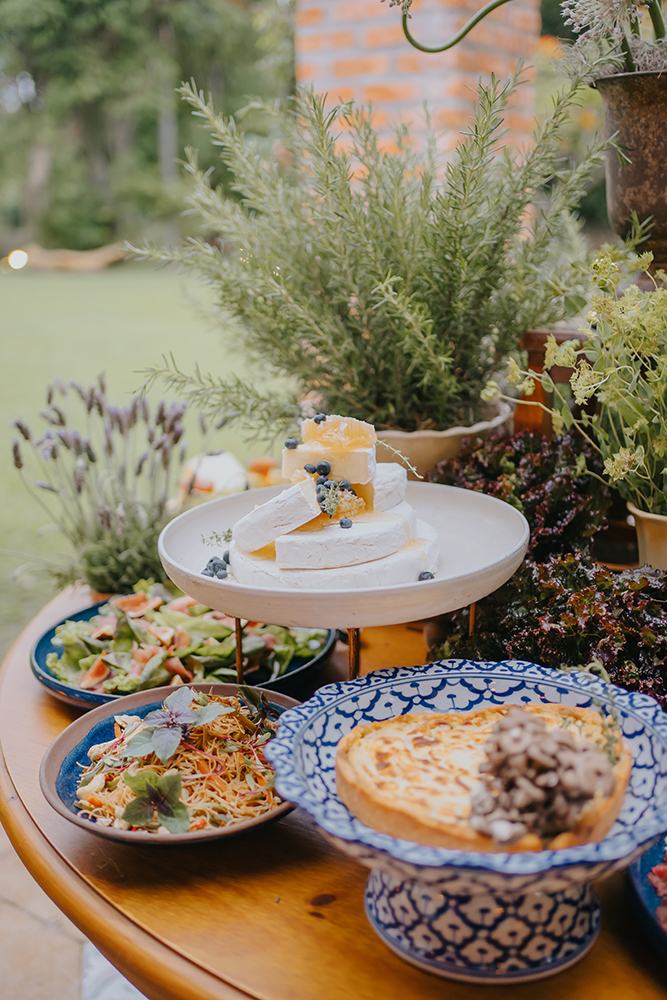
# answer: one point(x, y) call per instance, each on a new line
point(105, 488)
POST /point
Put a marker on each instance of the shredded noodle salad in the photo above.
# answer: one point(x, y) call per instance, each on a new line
point(217, 774)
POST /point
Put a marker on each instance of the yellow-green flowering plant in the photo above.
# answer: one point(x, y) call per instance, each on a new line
point(620, 371)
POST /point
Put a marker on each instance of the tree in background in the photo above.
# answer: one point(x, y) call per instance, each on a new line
point(90, 124)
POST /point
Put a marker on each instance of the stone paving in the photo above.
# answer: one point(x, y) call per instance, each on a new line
point(43, 956)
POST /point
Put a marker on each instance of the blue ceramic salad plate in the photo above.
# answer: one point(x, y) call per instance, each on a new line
point(646, 898)
point(67, 757)
point(78, 661)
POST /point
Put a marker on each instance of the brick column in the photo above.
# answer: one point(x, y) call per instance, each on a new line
point(355, 49)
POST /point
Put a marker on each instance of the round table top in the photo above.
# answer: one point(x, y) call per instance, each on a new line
point(276, 914)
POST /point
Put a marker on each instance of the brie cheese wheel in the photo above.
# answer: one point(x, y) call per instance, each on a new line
point(261, 569)
point(386, 488)
point(290, 509)
point(372, 536)
point(357, 465)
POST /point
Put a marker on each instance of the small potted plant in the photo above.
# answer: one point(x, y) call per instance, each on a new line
point(633, 86)
point(379, 283)
point(620, 372)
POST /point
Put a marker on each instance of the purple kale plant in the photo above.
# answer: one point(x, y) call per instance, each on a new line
point(560, 609)
point(570, 612)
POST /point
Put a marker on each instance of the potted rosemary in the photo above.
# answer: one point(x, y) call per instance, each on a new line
point(620, 376)
point(377, 282)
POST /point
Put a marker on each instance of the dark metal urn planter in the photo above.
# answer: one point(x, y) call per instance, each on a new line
point(635, 107)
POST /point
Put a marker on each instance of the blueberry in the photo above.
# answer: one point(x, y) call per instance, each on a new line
point(344, 484)
point(329, 485)
point(320, 480)
point(221, 574)
point(353, 492)
point(425, 575)
point(291, 443)
point(207, 572)
point(345, 522)
point(215, 563)
point(323, 468)
point(225, 556)
point(319, 418)
point(310, 469)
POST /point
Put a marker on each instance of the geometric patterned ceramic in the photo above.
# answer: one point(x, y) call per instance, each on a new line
point(462, 914)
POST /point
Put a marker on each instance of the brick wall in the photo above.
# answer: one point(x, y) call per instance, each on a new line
point(355, 49)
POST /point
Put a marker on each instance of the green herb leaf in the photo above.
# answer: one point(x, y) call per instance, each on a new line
point(166, 741)
point(139, 812)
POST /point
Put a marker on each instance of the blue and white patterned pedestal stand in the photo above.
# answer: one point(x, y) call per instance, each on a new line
point(499, 938)
point(492, 918)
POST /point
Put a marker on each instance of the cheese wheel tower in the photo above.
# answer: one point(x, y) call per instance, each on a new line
point(343, 523)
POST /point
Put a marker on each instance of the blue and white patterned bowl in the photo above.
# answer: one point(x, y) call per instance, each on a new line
point(419, 898)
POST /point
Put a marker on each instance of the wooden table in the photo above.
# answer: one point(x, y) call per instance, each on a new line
point(276, 914)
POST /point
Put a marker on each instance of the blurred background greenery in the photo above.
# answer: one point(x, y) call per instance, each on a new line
point(90, 125)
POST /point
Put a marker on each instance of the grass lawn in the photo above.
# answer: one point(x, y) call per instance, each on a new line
point(76, 325)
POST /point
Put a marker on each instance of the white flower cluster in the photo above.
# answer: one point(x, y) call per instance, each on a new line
point(601, 18)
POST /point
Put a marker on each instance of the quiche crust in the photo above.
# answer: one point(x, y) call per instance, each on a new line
point(411, 776)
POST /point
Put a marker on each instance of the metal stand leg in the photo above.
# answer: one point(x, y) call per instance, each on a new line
point(353, 652)
point(239, 651)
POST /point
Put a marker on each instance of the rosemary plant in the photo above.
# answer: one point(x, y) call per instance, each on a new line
point(105, 489)
point(383, 284)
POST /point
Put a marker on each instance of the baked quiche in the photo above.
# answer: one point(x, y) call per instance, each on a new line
point(501, 778)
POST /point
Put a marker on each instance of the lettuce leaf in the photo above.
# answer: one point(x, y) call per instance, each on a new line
point(196, 627)
point(63, 668)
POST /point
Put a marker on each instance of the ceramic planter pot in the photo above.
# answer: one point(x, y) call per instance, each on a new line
point(635, 108)
point(651, 536)
point(425, 448)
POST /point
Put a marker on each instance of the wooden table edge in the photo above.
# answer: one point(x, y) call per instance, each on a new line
point(153, 967)
point(126, 945)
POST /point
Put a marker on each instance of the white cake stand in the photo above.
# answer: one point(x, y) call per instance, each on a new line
point(482, 543)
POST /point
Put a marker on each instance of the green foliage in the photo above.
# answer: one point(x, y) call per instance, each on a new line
point(621, 371)
point(105, 122)
point(386, 287)
point(570, 613)
point(159, 794)
point(553, 22)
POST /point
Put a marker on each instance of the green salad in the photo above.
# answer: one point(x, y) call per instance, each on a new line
point(144, 640)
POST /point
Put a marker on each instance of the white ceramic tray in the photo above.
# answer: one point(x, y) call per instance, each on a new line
point(482, 542)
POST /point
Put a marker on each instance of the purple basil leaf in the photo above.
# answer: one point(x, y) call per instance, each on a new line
point(166, 740)
point(180, 698)
point(138, 812)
